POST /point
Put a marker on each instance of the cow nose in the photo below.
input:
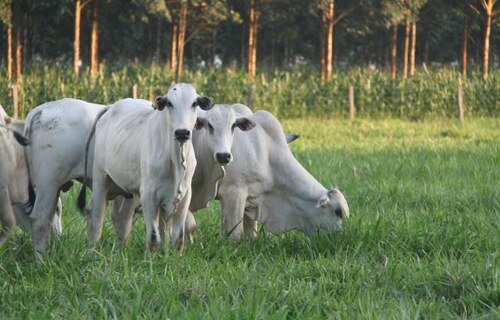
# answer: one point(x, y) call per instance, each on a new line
point(223, 157)
point(182, 135)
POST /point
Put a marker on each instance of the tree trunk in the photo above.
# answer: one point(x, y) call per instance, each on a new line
point(464, 48)
point(182, 37)
point(173, 55)
point(9, 54)
point(405, 54)
point(413, 48)
point(322, 53)
point(94, 63)
point(76, 44)
point(251, 40)
point(487, 30)
point(19, 79)
point(254, 51)
point(158, 40)
point(394, 46)
point(329, 39)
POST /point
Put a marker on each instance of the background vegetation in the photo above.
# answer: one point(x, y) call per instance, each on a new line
point(422, 241)
point(287, 93)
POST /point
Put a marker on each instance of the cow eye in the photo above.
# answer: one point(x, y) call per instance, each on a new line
point(210, 128)
point(170, 105)
point(233, 126)
point(195, 104)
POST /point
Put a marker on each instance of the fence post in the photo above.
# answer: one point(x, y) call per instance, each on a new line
point(15, 98)
point(460, 106)
point(134, 91)
point(352, 110)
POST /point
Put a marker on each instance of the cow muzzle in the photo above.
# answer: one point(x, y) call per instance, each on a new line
point(223, 158)
point(182, 135)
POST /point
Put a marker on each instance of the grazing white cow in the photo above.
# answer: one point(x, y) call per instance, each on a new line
point(266, 183)
point(12, 183)
point(149, 154)
point(57, 131)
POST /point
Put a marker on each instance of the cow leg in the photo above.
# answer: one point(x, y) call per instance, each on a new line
point(7, 218)
point(191, 226)
point(57, 220)
point(41, 218)
point(179, 222)
point(151, 220)
point(123, 217)
point(96, 217)
point(22, 218)
point(232, 213)
point(250, 227)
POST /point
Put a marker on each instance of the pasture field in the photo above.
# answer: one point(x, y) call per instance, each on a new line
point(423, 241)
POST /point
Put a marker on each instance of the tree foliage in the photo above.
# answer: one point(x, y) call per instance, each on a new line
point(289, 31)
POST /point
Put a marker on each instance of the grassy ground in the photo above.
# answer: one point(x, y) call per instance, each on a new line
point(423, 241)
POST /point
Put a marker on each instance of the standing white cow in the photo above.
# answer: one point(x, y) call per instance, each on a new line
point(57, 131)
point(266, 183)
point(11, 188)
point(149, 154)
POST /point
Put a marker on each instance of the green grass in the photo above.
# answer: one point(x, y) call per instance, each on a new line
point(423, 241)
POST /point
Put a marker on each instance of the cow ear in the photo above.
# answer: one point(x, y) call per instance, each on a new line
point(332, 193)
point(245, 124)
point(204, 102)
point(323, 202)
point(290, 137)
point(200, 123)
point(160, 103)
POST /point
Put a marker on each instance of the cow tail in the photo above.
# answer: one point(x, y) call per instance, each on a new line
point(28, 207)
point(82, 196)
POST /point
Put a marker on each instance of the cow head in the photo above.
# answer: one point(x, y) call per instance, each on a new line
point(181, 103)
point(333, 206)
point(220, 123)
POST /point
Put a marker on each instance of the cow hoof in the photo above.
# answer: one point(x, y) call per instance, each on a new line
point(153, 247)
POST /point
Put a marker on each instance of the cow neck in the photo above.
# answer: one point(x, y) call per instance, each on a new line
point(296, 180)
point(208, 172)
point(163, 145)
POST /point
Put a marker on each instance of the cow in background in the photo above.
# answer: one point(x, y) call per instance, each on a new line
point(13, 180)
point(57, 131)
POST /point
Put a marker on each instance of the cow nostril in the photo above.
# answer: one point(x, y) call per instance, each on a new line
point(182, 134)
point(223, 157)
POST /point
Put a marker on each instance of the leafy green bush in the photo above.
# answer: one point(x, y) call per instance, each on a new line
point(288, 94)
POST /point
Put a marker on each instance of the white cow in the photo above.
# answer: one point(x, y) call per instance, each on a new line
point(149, 154)
point(57, 131)
point(266, 183)
point(212, 143)
point(13, 185)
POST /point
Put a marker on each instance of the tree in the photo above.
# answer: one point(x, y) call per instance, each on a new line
point(252, 39)
point(392, 10)
point(94, 49)
point(328, 21)
point(412, 13)
point(490, 13)
point(76, 43)
point(6, 17)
